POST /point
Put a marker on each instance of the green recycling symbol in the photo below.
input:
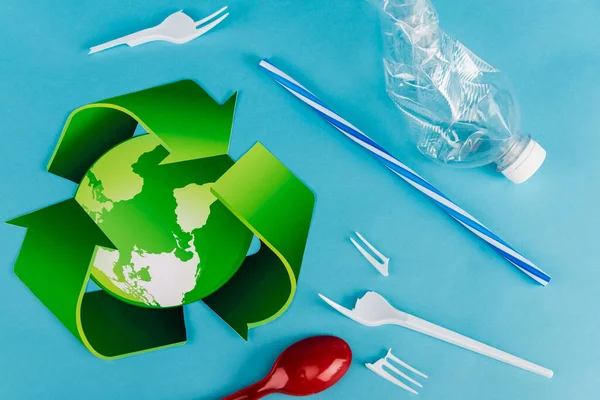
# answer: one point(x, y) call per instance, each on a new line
point(160, 220)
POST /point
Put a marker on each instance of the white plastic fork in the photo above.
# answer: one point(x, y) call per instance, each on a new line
point(378, 368)
point(177, 28)
point(382, 265)
point(374, 310)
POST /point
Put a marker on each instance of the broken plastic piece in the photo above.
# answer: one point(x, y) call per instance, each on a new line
point(374, 310)
point(177, 28)
point(382, 265)
point(378, 368)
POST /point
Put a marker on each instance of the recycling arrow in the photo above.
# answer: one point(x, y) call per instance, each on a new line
point(188, 122)
point(277, 207)
point(55, 262)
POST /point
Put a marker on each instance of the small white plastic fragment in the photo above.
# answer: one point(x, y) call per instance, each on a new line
point(378, 368)
point(382, 265)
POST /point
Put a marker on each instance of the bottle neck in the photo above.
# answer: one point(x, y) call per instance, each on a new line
point(514, 149)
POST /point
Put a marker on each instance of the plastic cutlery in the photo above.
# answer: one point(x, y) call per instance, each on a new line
point(374, 310)
point(383, 366)
point(307, 367)
point(177, 28)
point(381, 263)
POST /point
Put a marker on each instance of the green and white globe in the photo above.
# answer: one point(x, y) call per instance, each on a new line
point(175, 242)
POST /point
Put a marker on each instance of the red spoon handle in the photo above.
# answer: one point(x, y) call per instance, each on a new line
point(252, 392)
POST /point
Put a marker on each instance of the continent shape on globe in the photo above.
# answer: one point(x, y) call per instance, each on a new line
point(175, 242)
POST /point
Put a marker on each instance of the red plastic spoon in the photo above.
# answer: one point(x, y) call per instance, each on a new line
point(309, 366)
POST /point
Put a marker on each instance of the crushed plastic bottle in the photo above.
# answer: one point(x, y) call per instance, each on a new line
point(462, 109)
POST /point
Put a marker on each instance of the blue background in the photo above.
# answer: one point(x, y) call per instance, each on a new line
point(549, 48)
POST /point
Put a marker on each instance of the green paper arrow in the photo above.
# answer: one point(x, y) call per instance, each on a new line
point(54, 263)
point(188, 122)
point(277, 207)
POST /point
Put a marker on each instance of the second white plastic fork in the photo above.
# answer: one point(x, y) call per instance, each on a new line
point(177, 28)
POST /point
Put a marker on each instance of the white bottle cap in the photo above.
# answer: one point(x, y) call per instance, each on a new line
point(526, 164)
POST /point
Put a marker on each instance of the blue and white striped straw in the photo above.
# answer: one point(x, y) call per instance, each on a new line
point(354, 134)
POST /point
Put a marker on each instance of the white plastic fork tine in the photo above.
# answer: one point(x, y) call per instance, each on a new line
point(378, 369)
point(373, 249)
point(402, 374)
point(365, 253)
point(208, 27)
point(383, 366)
point(382, 265)
point(211, 16)
point(405, 365)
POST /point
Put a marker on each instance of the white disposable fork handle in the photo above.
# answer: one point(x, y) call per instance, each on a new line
point(132, 39)
point(436, 331)
point(107, 45)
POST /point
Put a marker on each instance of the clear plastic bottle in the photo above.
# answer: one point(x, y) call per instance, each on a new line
point(462, 109)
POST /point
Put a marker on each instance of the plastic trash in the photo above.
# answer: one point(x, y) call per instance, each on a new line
point(405, 173)
point(462, 110)
point(374, 310)
point(178, 28)
point(385, 369)
point(307, 367)
point(377, 259)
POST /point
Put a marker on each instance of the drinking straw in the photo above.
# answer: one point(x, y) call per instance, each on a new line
point(407, 174)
